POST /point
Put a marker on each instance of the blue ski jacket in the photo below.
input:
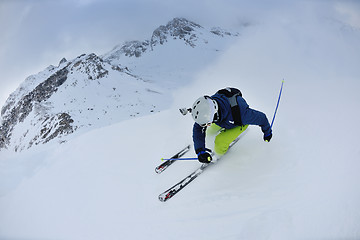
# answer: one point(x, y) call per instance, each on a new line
point(248, 117)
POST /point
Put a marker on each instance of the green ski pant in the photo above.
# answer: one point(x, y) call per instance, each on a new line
point(225, 137)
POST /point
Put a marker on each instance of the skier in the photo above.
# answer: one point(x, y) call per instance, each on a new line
point(228, 113)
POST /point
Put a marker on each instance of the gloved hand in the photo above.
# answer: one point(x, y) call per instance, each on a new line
point(268, 137)
point(204, 156)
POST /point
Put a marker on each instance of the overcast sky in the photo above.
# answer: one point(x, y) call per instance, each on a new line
point(38, 33)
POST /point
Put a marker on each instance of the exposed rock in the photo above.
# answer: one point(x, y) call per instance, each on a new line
point(92, 65)
point(53, 127)
point(88, 89)
point(24, 106)
point(180, 28)
point(62, 61)
point(221, 32)
point(134, 48)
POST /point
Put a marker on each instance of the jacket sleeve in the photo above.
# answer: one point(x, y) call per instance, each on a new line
point(198, 138)
point(254, 117)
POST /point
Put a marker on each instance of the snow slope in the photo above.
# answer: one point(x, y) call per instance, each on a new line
point(301, 185)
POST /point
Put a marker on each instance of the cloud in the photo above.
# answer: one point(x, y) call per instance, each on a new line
point(37, 33)
point(349, 12)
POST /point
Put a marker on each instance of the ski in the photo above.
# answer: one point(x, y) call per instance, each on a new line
point(166, 164)
point(163, 197)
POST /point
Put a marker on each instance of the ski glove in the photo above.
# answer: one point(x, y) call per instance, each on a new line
point(204, 156)
point(268, 137)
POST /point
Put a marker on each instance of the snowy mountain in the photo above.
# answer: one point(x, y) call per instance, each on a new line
point(90, 91)
point(101, 184)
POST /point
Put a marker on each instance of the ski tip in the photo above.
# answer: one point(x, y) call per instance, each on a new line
point(166, 196)
point(162, 198)
point(159, 170)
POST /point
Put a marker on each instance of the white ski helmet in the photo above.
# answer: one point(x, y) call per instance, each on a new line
point(203, 110)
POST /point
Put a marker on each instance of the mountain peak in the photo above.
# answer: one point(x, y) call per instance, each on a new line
point(180, 28)
point(92, 91)
point(176, 29)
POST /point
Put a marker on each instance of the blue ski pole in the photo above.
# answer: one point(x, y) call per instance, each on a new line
point(277, 105)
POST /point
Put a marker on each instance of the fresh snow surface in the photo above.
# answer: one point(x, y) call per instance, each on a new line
point(301, 185)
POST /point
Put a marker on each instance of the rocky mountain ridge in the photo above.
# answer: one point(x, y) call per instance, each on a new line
point(178, 28)
point(92, 91)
